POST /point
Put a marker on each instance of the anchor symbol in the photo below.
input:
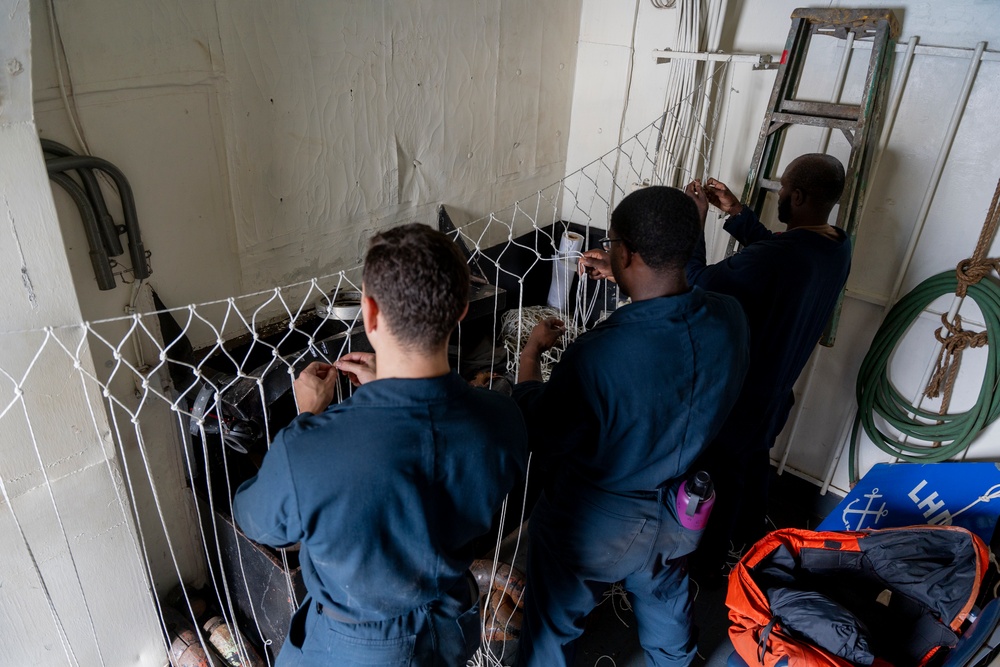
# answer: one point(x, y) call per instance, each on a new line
point(867, 512)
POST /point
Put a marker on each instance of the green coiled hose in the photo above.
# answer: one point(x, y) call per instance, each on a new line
point(876, 395)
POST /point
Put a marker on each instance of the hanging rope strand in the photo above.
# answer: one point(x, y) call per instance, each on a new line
point(976, 268)
point(942, 435)
point(953, 338)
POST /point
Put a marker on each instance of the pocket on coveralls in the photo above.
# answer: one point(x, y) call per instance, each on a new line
point(684, 540)
point(469, 624)
point(297, 628)
point(595, 537)
point(357, 651)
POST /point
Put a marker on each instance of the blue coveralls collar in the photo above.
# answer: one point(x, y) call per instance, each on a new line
point(746, 213)
point(408, 391)
point(663, 306)
point(809, 233)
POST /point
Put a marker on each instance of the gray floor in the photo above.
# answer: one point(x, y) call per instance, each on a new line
point(611, 639)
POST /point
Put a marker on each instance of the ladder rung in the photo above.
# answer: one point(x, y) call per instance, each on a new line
point(827, 109)
point(842, 20)
point(815, 121)
point(860, 123)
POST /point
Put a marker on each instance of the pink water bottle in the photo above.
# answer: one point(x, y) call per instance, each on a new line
point(694, 500)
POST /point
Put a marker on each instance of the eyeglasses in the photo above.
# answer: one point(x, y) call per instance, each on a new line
point(606, 243)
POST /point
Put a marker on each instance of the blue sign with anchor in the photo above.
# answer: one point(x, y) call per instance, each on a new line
point(909, 494)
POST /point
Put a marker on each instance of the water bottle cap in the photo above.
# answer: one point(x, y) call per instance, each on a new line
point(699, 484)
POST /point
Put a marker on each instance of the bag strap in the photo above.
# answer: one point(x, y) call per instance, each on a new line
point(762, 642)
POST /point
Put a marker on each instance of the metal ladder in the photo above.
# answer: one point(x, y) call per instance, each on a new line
point(861, 123)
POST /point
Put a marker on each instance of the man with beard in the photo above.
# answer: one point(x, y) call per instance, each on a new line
point(788, 284)
point(627, 409)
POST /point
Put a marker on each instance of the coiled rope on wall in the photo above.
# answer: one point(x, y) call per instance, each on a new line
point(937, 436)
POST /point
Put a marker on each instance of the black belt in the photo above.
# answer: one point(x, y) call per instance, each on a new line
point(589, 489)
point(340, 618)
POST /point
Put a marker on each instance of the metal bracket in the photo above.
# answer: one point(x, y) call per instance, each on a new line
point(759, 61)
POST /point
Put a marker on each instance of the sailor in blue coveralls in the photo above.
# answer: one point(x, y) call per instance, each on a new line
point(788, 284)
point(386, 490)
point(627, 409)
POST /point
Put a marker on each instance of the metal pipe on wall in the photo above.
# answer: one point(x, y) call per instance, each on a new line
point(717, 24)
point(897, 94)
point(98, 257)
point(707, 80)
point(109, 231)
point(925, 205)
point(672, 161)
point(137, 251)
point(824, 145)
point(935, 179)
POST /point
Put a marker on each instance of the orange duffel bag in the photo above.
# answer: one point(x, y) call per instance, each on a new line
point(893, 597)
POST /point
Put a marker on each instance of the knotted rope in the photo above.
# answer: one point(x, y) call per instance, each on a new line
point(971, 271)
point(956, 340)
point(915, 434)
point(950, 357)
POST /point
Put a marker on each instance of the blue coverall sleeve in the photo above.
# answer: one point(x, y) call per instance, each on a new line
point(746, 228)
point(746, 274)
point(265, 506)
point(557, 412)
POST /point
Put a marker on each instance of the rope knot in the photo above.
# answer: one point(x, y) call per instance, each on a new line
point(953, 343)
point(970, 271)
point(958, 338)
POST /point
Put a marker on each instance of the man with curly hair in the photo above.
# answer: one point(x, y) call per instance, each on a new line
point(387, 490)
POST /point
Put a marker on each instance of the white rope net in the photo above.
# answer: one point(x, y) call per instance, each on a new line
point(209, 384)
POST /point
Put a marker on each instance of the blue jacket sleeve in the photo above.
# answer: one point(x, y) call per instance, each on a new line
point(746, 228)
point(557, 413)
point(752, 273)
point(265, 506)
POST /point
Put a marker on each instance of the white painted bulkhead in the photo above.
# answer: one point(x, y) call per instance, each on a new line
point(957, 211)
point(266, 140)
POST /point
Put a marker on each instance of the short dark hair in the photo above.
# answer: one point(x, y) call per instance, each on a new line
point(420, 281)
point(818, 175)
point(659, 223)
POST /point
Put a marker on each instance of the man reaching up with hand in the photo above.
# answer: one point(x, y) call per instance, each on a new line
point(627, 410)
point(788, 284)
point(387, 490)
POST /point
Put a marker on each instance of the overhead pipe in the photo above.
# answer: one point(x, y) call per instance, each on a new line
point(137, 251)
point(109, 231)
point(98, 257)
point(925, 205)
